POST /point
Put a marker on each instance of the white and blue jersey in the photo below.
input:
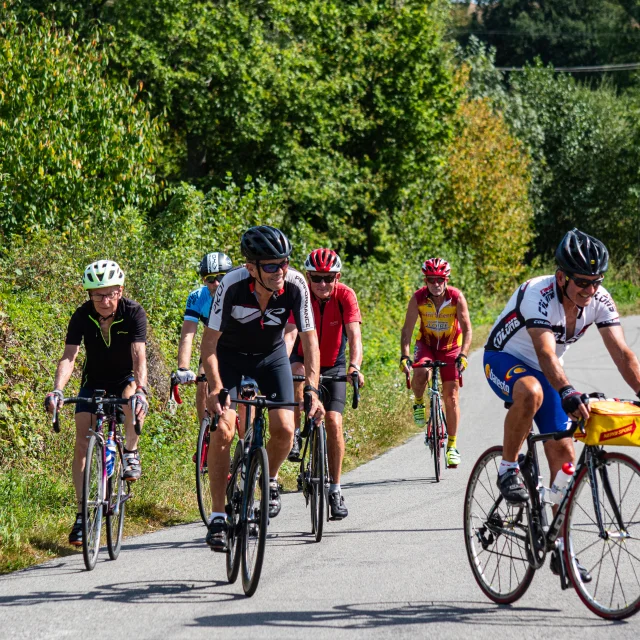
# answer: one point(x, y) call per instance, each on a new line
point(510, 354)
point(199, 305)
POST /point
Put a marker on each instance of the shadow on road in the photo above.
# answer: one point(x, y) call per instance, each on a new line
point(152, 592)
point(390, 483)
point(389, 614)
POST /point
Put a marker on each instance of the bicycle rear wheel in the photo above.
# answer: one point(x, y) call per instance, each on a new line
point(495, 534)
point(614, 561)
point(203, 491)
point(92, 502)
point(254, 528)
point(234, 508)
point(317, 481)
point(118, 492)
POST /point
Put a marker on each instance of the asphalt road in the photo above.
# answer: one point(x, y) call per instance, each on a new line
point(396, 567)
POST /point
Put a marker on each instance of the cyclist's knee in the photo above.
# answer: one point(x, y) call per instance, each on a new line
point(225, 431)
point(528, 394)
point(333, 422)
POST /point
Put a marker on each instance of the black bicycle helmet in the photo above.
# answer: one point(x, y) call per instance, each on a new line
point(264, 243)
point(216, 262)
point(582, 254)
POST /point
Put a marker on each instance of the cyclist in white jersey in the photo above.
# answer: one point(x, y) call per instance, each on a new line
point(523, 355)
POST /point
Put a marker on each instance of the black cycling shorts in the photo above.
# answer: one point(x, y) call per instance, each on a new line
point(112, 390)
point(271, 371)
point(334, 394)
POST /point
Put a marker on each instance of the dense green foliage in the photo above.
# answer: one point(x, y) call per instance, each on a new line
point(73, 144)
point(559, 32)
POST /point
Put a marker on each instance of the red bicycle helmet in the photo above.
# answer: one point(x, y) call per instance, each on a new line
point(325, 260)
point(436, 267)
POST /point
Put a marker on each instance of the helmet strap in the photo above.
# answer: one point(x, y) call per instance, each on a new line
point(259, 279)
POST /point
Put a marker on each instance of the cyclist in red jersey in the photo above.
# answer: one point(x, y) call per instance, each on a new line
point(445, 334)
point(337, 318)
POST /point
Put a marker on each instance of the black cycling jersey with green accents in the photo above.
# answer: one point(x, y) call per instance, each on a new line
point(108, 360)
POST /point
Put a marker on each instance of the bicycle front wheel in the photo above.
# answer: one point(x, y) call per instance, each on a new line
point(203, 491)
point(436, 428)
point(234, 508)
point(254, 527)
point(118, 492)
point(317, 481)
point(613, 560)
point(495, 534)
point(92, 502)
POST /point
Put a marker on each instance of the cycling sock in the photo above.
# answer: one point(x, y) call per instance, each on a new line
point(334, 488)
point(132, 451)
point(217, 514)
point(451, 442)
point(274, 480)
point(505, 466)
point(419, 400)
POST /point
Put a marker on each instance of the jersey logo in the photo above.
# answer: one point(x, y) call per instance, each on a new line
point(245, 315)
point(124, 332)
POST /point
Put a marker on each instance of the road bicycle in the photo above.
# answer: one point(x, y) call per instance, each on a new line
point(597, 522)
point(314, 477)
point(247, 492)
point(103, 495)
point(435, 434)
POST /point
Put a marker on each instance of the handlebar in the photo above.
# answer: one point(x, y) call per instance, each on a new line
point(175, 383)
point(260, 401)
point(430, 364)
point(95, 400)
point(352, 377)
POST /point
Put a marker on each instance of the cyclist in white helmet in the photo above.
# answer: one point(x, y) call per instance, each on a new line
point(114, 331)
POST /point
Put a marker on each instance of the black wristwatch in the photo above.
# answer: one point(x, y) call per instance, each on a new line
point(308, 387)
point(355, 366)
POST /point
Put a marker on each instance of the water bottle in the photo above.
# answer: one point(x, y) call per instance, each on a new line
point(111, 455)
point(559, 487)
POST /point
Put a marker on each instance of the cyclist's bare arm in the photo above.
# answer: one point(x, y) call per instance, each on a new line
point(187, 335)
point(624, 358)
point(65, 366)
point(311, 351)
point(208, 352)
point(464, 320)
point(354, 338)
point(409, 325)
point(139, 356)
point(290, 335)
point(544, 343)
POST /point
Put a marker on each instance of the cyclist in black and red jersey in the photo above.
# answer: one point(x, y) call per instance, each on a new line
point(337, 318)
point(114, 331)
point(244, 336)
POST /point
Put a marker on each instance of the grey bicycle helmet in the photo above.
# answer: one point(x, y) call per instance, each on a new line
point(582, 254)
point(216, 262)
point(264, 243)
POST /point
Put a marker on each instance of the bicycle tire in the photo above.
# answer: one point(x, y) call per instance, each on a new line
point(254, 527)
point(92, 502)
point(234, 509)
point(435, 437)
point(203, 490)
point(317, 480)
point(582, 539)
point(118, 492)
point(484, 550)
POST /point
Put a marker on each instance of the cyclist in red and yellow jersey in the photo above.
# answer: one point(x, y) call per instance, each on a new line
point(445, 334)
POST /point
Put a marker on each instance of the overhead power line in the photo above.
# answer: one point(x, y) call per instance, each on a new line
point(601, 67)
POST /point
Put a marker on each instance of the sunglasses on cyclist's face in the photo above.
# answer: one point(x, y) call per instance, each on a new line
point(329, 278)
point(584, 283)
point(436, 280)
point(217, 278)
point(273, 267)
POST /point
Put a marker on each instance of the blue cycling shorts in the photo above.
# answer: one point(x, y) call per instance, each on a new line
point(503, 370)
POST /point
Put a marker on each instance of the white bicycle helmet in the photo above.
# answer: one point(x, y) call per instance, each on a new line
point(102, 273)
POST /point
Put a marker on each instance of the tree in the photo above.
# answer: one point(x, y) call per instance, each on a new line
point(73, 144)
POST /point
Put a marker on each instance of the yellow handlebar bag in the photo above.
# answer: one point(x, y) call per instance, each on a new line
point(612, 424)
